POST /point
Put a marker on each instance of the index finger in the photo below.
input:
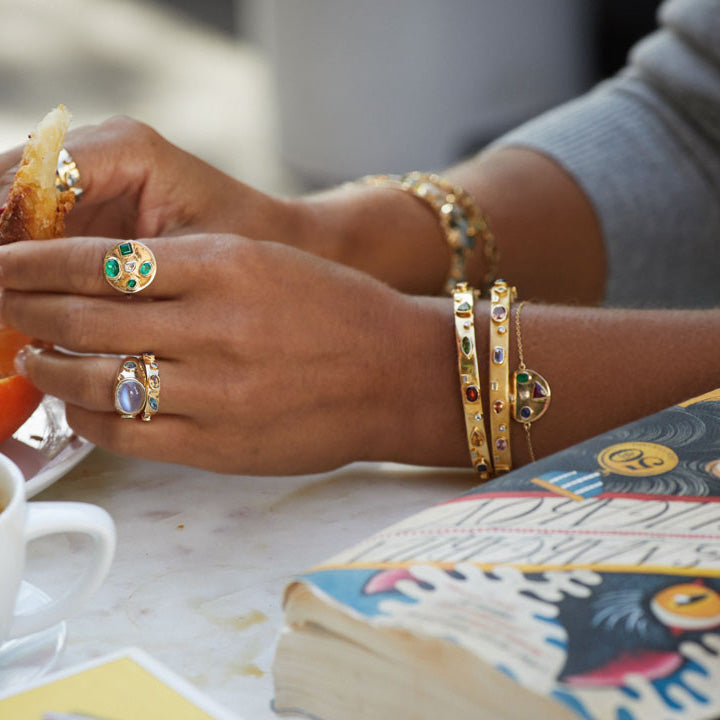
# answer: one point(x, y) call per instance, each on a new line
point(111, 159)
point(77, 266)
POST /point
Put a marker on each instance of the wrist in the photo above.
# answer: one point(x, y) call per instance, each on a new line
point(423, 418)
point(386, 233)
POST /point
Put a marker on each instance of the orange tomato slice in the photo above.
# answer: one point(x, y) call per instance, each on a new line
point(18, 397)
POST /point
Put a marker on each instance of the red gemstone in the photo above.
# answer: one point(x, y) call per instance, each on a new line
point(472, 393)
point(498, 406)
point(539, 391)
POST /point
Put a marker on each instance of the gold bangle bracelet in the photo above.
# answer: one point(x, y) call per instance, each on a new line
point(530, 390)
point(463, 304)
point(501, 299)
point(461, 221)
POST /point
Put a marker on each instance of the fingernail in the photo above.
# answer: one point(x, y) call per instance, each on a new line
point(20, 361)
point(21, 358)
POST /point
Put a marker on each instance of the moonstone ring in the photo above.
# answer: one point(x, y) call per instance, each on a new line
point(67, 175)
point(130, 387)
point(129, 266)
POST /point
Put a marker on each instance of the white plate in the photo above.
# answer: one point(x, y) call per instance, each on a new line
point(45, 447)
point(26, 659)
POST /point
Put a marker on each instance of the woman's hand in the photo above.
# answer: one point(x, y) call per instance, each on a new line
point(137, 184)
point(271, 360)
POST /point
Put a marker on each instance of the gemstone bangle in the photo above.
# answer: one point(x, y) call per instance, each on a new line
point(461, 221)
point(463, 302)
point(501, 298)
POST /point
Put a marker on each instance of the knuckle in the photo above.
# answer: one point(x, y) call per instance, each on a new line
point(81, 263)
point(90, 388)
point(79, 326)
point(132, 131)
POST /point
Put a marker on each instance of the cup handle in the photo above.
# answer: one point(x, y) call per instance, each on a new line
point(50, 518)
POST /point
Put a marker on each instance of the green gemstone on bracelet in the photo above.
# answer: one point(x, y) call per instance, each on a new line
point(112, 268)
point(523, 377)
point(126, 248)
point(466, 345)
point(145, 268)
point(131, 283)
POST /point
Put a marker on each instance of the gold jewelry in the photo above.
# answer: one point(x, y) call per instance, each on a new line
point(152, 386)
point(67, 175)
point(530, 390)
point(501, 298)
point(129, 266)
point(461, 221)
point(463, 302)
point(130, 393)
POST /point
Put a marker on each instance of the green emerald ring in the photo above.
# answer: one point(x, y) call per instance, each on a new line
point(129, 266)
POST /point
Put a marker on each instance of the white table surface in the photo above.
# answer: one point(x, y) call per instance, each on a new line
point(202, 559)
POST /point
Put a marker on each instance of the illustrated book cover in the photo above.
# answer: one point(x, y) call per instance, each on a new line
point(585, 585)
point(126, 685)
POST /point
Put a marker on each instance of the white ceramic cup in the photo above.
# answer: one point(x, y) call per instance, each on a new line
point(21, 522)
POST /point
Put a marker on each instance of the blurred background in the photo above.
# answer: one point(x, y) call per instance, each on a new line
point(290, 95)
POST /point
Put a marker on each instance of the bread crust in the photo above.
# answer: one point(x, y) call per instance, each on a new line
point(35, 208)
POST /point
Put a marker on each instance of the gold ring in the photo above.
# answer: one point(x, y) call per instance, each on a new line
point(152, 386)
point(130, 393)
point(129, 266)
point(67, 175)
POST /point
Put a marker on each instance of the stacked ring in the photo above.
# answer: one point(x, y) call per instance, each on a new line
point(137, 387)
point(152, 386)
point(130, 388)
point(129, 266)
point(67, 175)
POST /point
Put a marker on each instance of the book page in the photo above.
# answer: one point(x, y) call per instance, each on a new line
point(591, 576)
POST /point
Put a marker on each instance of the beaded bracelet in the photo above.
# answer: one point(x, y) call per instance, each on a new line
point(461, 221)
point(501, 298)
point(530, 390)
point(463, 302)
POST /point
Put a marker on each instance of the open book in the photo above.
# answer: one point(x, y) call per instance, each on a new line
point(585, 585)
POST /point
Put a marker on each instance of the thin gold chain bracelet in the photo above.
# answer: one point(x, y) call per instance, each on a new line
point(530, 390)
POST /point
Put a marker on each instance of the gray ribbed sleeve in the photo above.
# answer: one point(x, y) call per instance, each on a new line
point(645, 148)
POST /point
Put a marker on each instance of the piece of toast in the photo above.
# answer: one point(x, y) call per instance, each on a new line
point(35, 208)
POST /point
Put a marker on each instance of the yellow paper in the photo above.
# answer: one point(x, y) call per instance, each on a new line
point(119, 689)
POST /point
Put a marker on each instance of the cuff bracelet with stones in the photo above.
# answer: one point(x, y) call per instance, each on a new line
point(463, 302)
point(129, 266)
point(501, 298)
point(461, 221)
point(130, 393)
point(530, 390)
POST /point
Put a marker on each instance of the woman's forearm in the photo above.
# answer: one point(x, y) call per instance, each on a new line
point(606, 367)
point(548, 236)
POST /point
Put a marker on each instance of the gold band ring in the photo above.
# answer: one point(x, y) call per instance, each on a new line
point(67, 175)
point(152, 386)
point(129, 266)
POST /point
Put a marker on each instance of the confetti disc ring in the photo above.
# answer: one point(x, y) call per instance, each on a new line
point(129, 266)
